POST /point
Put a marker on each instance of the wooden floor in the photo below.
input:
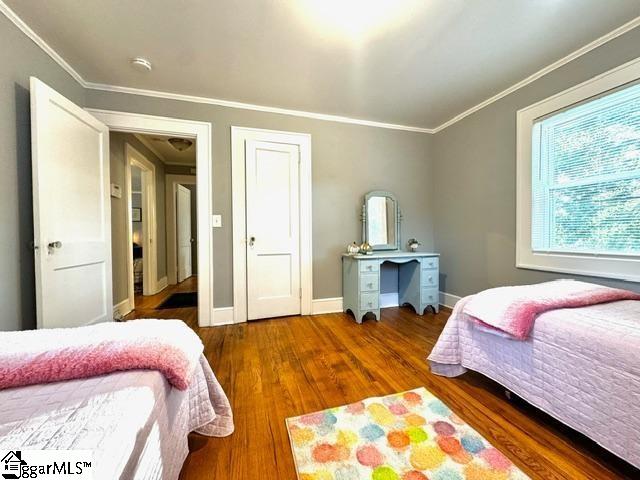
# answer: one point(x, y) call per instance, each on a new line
point(278, 368)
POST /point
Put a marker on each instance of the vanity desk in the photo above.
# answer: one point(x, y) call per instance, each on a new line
point(418, 272)
point(417, 281)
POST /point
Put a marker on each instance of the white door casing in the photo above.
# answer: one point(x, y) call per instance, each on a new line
point(149, 223)
point(285, 143)
point(183, 218)
point(202, 133)
point(273, 229)
point(71, 209)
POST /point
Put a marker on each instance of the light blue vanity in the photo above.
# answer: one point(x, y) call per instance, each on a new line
point(418, 272)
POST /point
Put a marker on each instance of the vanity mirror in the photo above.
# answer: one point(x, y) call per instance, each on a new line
point(381, 221)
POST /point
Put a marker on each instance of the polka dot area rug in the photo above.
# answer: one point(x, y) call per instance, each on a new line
point(404, 436)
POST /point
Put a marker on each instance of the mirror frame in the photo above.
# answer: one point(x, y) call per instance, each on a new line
point(365, 236)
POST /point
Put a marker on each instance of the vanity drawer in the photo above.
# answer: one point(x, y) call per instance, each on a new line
point(369, 301)
point(369, 282)
point(430, 296)
point(369, 266)
point(430, 263)
point(429, 278)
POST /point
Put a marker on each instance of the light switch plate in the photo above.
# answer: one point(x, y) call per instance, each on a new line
point(116, 191)
point(216, 221)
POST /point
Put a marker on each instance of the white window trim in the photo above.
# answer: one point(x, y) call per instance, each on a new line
point(623, 267)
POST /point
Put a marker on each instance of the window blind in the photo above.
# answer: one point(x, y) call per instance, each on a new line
point(586, 177)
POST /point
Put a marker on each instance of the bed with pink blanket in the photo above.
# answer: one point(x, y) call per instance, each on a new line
point(130, 392)
point(580, 364)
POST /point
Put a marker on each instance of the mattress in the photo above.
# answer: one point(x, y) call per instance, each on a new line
point(580, 365)
point(135, 423)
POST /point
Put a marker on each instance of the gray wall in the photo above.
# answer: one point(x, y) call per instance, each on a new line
point(462, 179)
point(119, 241)
point(475, 173)
point(348, 161)
point(20, 58)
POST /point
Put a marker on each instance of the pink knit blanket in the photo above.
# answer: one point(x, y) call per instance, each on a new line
point(52, 355)
point(513, 310)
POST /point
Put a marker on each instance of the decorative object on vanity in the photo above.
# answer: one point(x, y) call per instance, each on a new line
point(413, 244)
point(365, 249)
point(418, 281)
point(409, 435)
point(353, 249)
point(381, 219)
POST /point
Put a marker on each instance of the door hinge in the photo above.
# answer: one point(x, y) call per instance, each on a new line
point(300, 292)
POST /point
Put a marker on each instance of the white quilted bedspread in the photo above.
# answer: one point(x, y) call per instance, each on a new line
point(135, 422)
point(580, 365)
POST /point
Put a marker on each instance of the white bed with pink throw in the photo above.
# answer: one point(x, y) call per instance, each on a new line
point(129, 392)
point(581, 364)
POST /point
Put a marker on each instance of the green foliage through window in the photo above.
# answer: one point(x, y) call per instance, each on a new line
point(586, 177)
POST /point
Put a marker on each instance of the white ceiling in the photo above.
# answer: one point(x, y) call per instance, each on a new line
point(159, 145)
point(408, 62)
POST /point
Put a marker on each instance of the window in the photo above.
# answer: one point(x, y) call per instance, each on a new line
point(586, 177)
point(582, 152)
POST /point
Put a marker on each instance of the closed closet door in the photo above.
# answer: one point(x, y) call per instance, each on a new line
point(273, 229)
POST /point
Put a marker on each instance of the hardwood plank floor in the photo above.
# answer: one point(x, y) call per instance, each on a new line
point(277, 368)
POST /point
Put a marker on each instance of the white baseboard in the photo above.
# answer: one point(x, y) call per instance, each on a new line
point(326, 305)
point(222, 316)
point(389, 300)
point(333, 305)
point(319, 306)
point(162, 284)
point(122, 308)
point(449, 300)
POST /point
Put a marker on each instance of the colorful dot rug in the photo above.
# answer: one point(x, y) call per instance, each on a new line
point(404, 436)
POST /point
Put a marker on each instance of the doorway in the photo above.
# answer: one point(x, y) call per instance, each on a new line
point(271, 192)
point(199, 134)
point(142, 231)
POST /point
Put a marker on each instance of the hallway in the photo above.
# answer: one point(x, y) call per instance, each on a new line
point(146, 306)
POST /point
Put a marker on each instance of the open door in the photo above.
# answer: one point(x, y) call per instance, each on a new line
point(71, 212)
point(183, 217)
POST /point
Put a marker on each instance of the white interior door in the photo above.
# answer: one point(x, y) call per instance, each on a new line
point(71, 210)
point(183, 219)
point(273, 229)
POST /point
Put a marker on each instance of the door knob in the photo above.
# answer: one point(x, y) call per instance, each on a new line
point(57, 244)
point(252, 240)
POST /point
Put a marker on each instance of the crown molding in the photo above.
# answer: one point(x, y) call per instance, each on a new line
point(250, 106)
point(542, 72)
point(18, 22)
